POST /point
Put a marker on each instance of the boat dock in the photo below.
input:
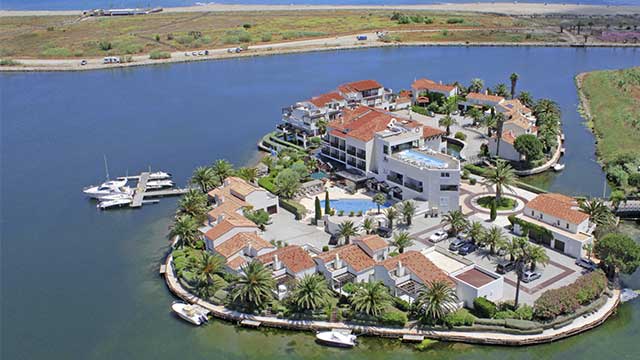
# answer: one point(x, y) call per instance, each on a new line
point(140, 192)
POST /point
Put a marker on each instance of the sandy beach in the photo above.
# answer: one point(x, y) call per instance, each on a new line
point(497, 8)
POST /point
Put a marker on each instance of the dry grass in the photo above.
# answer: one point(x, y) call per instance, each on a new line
point(484, 36)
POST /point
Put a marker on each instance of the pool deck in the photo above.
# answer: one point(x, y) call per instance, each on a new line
point(335, 193)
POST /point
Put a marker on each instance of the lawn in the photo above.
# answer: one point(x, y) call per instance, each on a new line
point(505, 203)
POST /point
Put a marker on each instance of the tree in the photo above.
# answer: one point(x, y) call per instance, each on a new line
point(391, 214)
point(476, 231)
point(450, 105)
point(254, 287)
point(260, 217)
point(310, 293)
point(195, 204)
point(619, 253)
point(456, 221)
point(447, 121)
point(501, 90)
point(493, 214)
point(436, 301)
point(185, 228)
point(476, 85)
point(408, 210)
point(518, 249)
point(588, 247)
point(249, 174)
point(204, 178)
point(514, 81)
point(502, 176)
point(495, 238)
point(287, 183)
point(380, 199)
point(546, 107)
point(371, 298)
point(526, 99)
point(529, 146)
point(318, 209)
point(206, 270)
point(346, 230)
point(368, 225)
point(499, 124)
point(536, 255)
point(490, 122)
point(599, 213)
point(222, 169)
point(475, 114)
point(548, 136)
point(327, 203)
point(401, 241)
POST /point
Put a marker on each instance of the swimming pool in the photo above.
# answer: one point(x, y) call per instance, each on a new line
point(355, 205)
point(422, 159)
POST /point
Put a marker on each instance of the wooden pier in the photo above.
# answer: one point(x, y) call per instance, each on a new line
point(140, 193)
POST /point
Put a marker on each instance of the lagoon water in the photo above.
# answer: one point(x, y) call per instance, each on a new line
point(82, 284)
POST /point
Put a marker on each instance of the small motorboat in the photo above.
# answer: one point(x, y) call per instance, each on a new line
point(159, 175)
point(562, 150)
point(159, 184)
point(558, 167)
point(194, 314)
point(628, 294)
point(106, 188)
point(336, 338)
point(115, 200)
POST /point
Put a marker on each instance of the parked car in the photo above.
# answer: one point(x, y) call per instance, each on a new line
point(187, 54)
point(361, 37)
point(529, 276)
point(384, 232)
point(457, 244)
point(587, 264)
point(431, 114)
point(83, 62)
point(463, 235)
point(505, 266)
point(467, 248)
point(439, 236)
point(195, 53)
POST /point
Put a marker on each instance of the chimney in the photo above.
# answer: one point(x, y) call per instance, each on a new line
point(220, 218)
point(400, 270)
point(277, 264)
point(337, 263)
point(226, 182)
point(249, 248)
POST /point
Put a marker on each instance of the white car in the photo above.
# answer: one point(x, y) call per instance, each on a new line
point(439, 236)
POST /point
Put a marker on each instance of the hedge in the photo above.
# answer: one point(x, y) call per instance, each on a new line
point(477, 170)
point(267, 183)
point(394, 318)
point(529, 187)
point(461, 317)
point(568, 299)
point(294, 207)
point(499, 329)
point(535, 232)
point(484, 308)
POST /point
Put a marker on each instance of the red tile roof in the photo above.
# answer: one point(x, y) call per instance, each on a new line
point(508, 136)
point(559, 206)
point(236, 263)
point(485, 97)
point(227, 225)
point(419, 265)
point(351, 255)
point(358, 86)
point(429, 132)
point(374, 242)
point(293, 257)
point(363, 123)
point(427, 84)
point(241, 241)
point(324, 99)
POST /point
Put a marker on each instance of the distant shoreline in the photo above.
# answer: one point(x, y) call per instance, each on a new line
point(507, 8)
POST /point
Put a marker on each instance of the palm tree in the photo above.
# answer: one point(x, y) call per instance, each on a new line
point(222, 169)
point(495, 238)
point(490, 122)
point(249, 174)
point(499, 125)
point(514, 81)
point(450, 105)
point(536, 255)
point(546, 107)
point(476, 231)
point(501, 90)
point(380, 199)
point(476, 114)
point(371, 298)
point(402, 241)
point(368, 225)
point(408, 210)
point(204, 178)
point(310, 292)
point(503, 177)
point(195, 204)
point(476, 85)
point(346, 230)
point(206, 270)
point(599, 213)
point(436, 301)
point(391, 214)
point(526, 99)
point(254, 287)
point(456, 221)
point(588, 247)
point(518, 247)
point(447, 121)
point(185, 228)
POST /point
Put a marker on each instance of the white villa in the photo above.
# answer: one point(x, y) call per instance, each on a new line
point(426, 86)
point(236, 194)
point(401, 155)
point(344, 265)
point(561, 215)
point(519, 120)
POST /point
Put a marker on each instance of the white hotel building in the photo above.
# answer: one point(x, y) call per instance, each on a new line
point(403, 156)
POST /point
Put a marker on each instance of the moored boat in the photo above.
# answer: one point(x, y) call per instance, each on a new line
point(336, 338)
point(106, 188)
point(558, 167)
point(159, 184)
point(115, 200)
point(159, 175)
point(194, 314)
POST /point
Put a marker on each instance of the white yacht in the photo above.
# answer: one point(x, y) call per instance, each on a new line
point(336, 338)
point(159, 175)
point(194, 314)
point(159, 184)
point(114, 200)
point(106, 188)
point(558, 167)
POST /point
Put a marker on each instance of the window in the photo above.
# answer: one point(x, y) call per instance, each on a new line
point(533, 213)
point(567, 225)
point(444, 201)
point(448, 187)
point(445, 174)
point(385, 149)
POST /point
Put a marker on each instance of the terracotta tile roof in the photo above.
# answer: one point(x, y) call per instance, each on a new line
point(475, 277)
point(485, 97)
point(293, 257)
point(363, 123)
point(374, 242)
point(324, 99)
point(236, 187)
point(241, 241)
point(228, 207)
point(350, 254)
point(509, 137)
point(236, 263)
point(520, 121)
point(227, 225)
point(427, 84)
point(514, 106)
point(419, 265)
point(559, 206)
point(358, 86)
point(428, 132)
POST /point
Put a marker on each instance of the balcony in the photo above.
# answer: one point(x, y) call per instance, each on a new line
point(413, 186)
point(397, 179)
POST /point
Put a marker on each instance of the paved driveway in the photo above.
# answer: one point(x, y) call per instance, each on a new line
point(286, 228)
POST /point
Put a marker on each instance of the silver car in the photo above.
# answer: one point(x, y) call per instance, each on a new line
point(529, 276)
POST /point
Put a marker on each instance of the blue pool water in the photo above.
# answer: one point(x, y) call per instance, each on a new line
point(319, 175)
point(423, 158)
point(355, 205)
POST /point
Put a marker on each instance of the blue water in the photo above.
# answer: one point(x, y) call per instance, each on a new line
point(424, 159)
point(355, 205)
point(91, 4)
point(82, 284)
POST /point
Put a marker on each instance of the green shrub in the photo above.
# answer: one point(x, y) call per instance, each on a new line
point(266, 37)
point(484, 307)
point(455, 20)
point(465, 174)
point(155, 55)
point(293, 207)
point(56, 52)
point(567, 299)
point(473, 181)
point(460, 136)
point(461, 317)
point(9, 62)
point(267, 183)
point(394, 318)
point(521, 324)
point(340, 212)
point(105, 45)
point(401, 304)
point(534, 231)
point(426, 344)
point(475, 169)
point(505, 314)
point(325, 248)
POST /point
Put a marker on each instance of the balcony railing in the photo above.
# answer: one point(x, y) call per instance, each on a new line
point(395, 179)
point(414, 187)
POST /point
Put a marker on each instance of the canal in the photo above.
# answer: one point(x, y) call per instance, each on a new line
point(82, 284)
